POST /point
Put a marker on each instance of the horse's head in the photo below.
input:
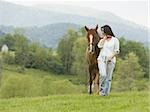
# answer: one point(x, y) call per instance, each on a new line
point(92, 38)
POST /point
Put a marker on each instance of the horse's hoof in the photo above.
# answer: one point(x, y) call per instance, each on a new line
point(97, 93)
point(90, 93)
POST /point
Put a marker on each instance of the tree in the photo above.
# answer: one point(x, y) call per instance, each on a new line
point(21, 49)
point(79, 66)
point(82, 32)
point(137, 48)
point(21, 42)
point(65, 48)
point(9, 40)
point(128, 74)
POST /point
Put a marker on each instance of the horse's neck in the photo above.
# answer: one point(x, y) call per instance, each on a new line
point(91, 58)
point(97, 51)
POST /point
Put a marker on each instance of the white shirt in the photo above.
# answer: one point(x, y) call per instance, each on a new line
point(108, 48)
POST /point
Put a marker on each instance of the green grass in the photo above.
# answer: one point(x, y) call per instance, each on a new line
point(75, 102)
point(34, 83)
point(13, 70)
point(116, 102)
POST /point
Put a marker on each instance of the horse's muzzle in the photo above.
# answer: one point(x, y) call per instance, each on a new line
point(91, 52)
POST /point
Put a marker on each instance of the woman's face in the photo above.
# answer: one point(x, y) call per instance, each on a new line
point(102, 34)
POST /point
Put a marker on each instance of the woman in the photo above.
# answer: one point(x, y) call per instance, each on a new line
point(107, 58)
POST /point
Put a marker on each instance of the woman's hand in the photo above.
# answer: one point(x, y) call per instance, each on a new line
point(105, 37)
point(110, 58)
point(101, 42)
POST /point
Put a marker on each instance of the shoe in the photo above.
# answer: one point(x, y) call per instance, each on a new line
point(102, 94)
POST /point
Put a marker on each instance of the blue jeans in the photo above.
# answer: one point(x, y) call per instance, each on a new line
point(106, 70)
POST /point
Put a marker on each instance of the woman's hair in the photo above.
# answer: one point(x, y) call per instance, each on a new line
point(107, 30)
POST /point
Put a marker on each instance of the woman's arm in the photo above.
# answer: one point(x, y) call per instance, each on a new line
point(116, 49)
point(101, 42)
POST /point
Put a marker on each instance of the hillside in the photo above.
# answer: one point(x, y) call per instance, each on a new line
point(116, 102)
point(33, 83)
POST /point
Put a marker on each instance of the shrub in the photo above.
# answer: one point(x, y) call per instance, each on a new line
point(9, 57)
point(47, 86)
point(16, 86)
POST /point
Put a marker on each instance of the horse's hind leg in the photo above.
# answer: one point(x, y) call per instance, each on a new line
point(97, 83)
point(92, 77)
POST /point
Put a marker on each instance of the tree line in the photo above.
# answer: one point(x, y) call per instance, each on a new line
point(30, 54)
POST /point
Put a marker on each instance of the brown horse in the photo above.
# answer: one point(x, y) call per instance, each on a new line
point(92, 53)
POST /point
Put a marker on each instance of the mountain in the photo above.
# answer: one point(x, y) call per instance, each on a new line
point(82, 11)
point(2, 33)
point(50, 23)
point(47, 35)
point(17, 15)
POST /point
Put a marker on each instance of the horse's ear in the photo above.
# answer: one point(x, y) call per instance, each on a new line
point(87, 29)
point(96, 27)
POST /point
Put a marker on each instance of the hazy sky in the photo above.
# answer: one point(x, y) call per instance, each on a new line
point(133, 10)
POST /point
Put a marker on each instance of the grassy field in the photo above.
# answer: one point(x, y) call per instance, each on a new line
point(116, 102)
point(55, 102)
point(36, 83)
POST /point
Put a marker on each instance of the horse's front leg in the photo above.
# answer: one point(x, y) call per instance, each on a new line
point(90, 84)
